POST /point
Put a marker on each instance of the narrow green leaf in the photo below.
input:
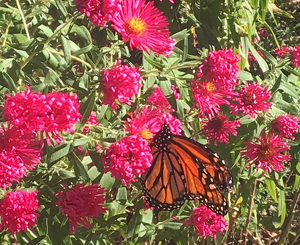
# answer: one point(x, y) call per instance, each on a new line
point(60, 151)
point(245, 76)
point(66, 48)
point(86, 109)
point(271, 188)
point(61, 7)
point(261, 62)
point(79, 169)
point(282, 206)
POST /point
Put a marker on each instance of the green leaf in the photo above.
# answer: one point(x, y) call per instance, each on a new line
point(107, 181)
point(122, 195)
point(86, 109)
point(282, 206)
point(62, 8)
point(59, 152)
point(271, 188)
point(262, 63)
point(245, 76)
point(79, 169)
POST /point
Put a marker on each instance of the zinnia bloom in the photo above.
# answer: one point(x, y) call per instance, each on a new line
point(296, 56)
point(145, 27)
point(206, 222)
point(283, 51)
point(285, 126)
point(50, 114)
point(120, 82)
point(80, 203)
point(251, 57)
point(148, 121)
point(175, 91)
point(267, 153)
point(18, 211)
point(128, 158)
point(98, 11)
point(220, 67)
point(252, 100)
point(209, 98)
point(219, 128)
point(19, 152)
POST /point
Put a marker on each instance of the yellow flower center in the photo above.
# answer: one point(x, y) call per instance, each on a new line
point(136, 26)
point(210, 86)
point(146, 134)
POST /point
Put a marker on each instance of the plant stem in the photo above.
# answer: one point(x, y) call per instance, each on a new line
point(23, 19)
point(289, 219)
point(250, 211)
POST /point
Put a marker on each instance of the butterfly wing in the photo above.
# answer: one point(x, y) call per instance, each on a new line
point(209, 160)
point(177, 174)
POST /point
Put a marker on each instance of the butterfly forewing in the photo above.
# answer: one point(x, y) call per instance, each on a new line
point(183, 169)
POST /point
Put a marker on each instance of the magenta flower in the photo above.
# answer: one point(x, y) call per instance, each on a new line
point(283, 51)
point(263, 33)
point(18, 211)
point(19, 152)
point(206, 222)
point(50, 114)
point(252, 100)
point(159, 100)
point(80, 203)
point(286, 126)
point(120, 82)
point(144, 26)
point(296, 56)
point(220, 67)
point(91, 121)
point(128, 158)
point(175, 91)
point(219, 128)
point(98, 11)
point(267, 153)
point(208, 98)
point(148, 121)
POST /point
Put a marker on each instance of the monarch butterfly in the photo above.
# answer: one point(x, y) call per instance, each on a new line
point(183, 169)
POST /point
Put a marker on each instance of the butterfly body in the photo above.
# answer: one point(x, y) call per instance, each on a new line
point(183, 169)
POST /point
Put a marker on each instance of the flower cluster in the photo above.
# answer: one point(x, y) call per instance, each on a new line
point(221, 68)
point(144, 26)
point(49, 114)
point(120, 82)
point(98, 11)
point(267, 152)
point(206, 222)
point(18, 211)
point(19, 152)
point(80, 203)
point(283, 51)
point(296, 56)
point(128, 158)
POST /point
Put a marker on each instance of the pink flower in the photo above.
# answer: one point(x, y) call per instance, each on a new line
point(80, 203)
point(220, 67)
point(175, 91)
point(19, 152)
point(98, 11)
point(148, 121)
point(252, 100)
point(296, 56)
point(158, 99)
point(219, 128)
point(145, 27)
point(285, 126)
point(128, 158)
point(267, 153)
point(263, 33)
point(209, 98)
point(206, 222)
point(50, 114)
point(120, 82)
point(91, 121)
point(283, 51)
point(18, 211)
